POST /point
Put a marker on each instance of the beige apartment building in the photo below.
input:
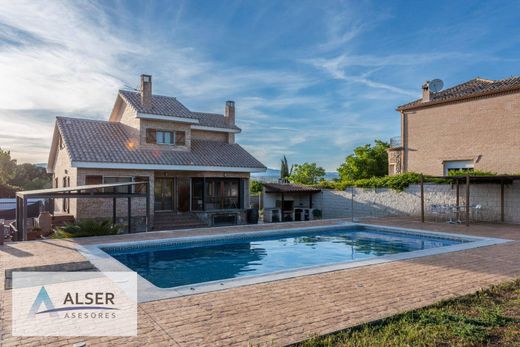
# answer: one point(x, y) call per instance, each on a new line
point(473, 125)
point(197, 173)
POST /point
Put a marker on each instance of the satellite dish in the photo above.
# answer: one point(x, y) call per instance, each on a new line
point(436, 85)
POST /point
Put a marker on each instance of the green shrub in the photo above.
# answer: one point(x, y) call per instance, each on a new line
point(86, 228)
point(397, 182)
point(255, 187)
point(471, 173)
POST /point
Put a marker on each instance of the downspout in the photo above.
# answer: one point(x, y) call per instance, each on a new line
point(404, 140)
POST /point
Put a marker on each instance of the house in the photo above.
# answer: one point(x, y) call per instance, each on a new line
point(196, 170)
point(473, 125)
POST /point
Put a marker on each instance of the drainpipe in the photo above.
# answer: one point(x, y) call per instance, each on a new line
point(404, 142)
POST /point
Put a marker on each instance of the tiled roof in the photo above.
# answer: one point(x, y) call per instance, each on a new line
point(475, 87)
point(106, 142)
point(162, 105)
point(289, 188)
point(170, 106)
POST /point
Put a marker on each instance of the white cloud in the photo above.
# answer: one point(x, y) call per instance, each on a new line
point(60, 59)
point(68, 58)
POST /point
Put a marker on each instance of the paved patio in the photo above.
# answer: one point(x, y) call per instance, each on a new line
point(287, 311)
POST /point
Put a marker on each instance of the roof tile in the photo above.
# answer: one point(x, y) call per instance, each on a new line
point(170, 106)
point(107, 142)
point(470, 88)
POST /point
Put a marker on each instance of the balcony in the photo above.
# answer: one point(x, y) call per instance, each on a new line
point(395, 142)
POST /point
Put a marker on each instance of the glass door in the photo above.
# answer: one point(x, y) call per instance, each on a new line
point(163, 191)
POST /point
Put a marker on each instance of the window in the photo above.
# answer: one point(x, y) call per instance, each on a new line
point(66, 202)
point(166, 137)
point(456, 165)
point(121, 189)
point(197, 194)
point(215, 193)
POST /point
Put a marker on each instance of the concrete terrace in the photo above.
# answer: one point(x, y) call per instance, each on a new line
point(286, 311)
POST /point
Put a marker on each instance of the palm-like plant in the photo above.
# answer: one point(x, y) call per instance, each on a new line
point(285, 172)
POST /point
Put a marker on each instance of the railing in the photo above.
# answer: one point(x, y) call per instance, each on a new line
point(395, 142)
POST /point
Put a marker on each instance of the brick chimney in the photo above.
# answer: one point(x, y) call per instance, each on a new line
point(426, 91)
point(146, 91)
point(230, 113)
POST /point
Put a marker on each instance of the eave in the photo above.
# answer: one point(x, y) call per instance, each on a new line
point(458, 99)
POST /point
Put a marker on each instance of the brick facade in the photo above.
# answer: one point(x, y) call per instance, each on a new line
point(483, 130)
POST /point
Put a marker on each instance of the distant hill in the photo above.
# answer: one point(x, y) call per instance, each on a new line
point(272, 175)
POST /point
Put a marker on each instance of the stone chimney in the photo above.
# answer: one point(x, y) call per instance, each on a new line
point(146, 91)
point(229, 113)
point(426, 91)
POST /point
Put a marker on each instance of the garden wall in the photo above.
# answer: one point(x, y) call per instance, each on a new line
point(381, 202)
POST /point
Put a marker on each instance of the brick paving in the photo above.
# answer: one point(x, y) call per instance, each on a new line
point(286, 311)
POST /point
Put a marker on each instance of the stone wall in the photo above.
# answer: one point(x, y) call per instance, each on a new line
point(381, 202)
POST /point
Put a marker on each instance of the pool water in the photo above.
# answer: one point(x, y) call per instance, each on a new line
point(178, 264)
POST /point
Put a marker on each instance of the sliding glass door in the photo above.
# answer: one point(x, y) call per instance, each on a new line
point(216, 193)
point(163, 191)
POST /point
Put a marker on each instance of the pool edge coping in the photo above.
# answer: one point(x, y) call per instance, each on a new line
point(149, 292)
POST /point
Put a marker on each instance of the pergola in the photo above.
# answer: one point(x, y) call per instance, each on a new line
point(502, 180)
point(96, 191)
point(286, 188)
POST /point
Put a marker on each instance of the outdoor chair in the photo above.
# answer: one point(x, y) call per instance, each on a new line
point(476, 212)
point(439, 212)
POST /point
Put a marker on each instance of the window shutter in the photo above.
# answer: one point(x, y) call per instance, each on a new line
point(180, 138)
point(89, 180)
point(151, 135)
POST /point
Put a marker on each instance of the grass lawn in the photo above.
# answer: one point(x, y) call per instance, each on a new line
point(488, 318)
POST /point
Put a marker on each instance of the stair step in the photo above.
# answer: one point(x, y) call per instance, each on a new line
point(175, 221)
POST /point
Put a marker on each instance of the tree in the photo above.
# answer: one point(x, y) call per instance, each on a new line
point(307, 173)
point(367, 161)
point(285, 172)
point(255, 186)
point(15, 177)
point(7, 167)
point(29, 177)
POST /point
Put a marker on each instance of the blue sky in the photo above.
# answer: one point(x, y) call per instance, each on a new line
point(311, 79)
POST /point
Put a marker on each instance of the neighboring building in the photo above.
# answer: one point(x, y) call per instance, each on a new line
point(190, 158)
point(473, 125)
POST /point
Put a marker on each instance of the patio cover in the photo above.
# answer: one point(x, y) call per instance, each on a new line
point(94, 191)
point(468, 180)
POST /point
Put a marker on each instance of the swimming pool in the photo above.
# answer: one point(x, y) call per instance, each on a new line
point(178, 264)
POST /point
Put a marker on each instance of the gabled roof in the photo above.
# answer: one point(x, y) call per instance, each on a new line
point(92, 141)
point(472, 88)
point(170, 106)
